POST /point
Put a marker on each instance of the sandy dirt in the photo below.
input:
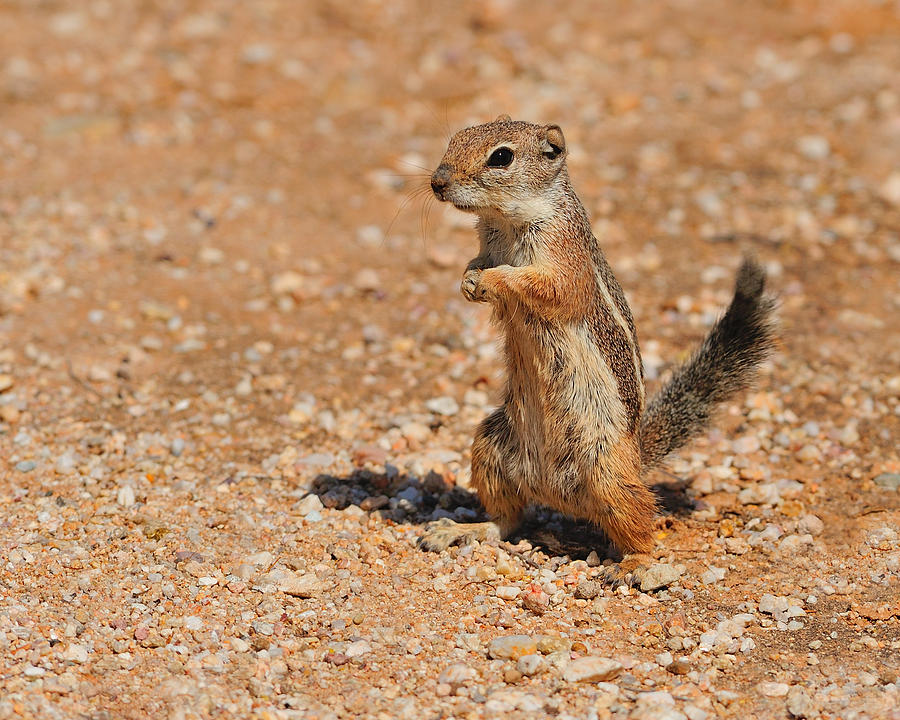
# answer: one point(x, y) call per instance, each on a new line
point(237, 377)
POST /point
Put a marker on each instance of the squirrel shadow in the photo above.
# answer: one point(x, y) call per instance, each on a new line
point(406, 499)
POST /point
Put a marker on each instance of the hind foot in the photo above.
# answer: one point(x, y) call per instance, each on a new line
point(443, 533)
point(629, 571)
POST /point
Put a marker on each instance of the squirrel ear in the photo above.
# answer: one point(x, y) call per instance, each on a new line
point(553, 144)
point(503, 118)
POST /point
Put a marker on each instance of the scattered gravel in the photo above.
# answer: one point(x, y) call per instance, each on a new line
point(237, 377)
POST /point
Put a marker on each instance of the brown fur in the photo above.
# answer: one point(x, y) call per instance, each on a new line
point(571, 433)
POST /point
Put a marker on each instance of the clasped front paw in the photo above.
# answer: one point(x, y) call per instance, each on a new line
point(472, 288)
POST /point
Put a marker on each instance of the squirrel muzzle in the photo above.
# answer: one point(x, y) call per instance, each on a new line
point(440, 181)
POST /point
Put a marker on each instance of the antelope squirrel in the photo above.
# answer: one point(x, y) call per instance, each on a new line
point(574, 432)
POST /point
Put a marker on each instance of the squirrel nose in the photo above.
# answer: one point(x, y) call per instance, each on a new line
point(440, 180)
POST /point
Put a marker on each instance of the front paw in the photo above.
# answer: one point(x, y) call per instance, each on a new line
point(472, 287)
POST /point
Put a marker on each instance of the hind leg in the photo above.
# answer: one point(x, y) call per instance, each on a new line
point(629, 523)
point(494, 445)
point(625, 508)
point(630, 527)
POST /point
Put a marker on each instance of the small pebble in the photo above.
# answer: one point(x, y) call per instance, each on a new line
point(239, 645)
point(125, 496)
point(713, 575)
point(456, 675)
point(814, 147)
point(809, 453)
point(306, 585)
point(745, 445)
point(530, 664)
point(9, 414)
point(588, 589)
point(76, 653)
point(443, 406)
point(259, 626)
point(549, 644)
point(890, 188)
point(367, 279)
point(512, 647)
point(336, 658)
point(760, 494)
point(660, 575)
point(311, 503)
point(535, 599)
point(810, 525)
point(773, 689)
point(889, 481)
point(592, 669)
point(799, 704)
point(358, 649)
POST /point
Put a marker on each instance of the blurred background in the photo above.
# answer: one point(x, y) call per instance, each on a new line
point(227, 201)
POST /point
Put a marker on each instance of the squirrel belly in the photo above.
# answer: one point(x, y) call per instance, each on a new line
point(573, 432)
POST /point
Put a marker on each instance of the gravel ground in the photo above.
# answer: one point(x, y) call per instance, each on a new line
point(237, 377)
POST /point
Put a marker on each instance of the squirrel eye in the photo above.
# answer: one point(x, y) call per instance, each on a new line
point(500, 158)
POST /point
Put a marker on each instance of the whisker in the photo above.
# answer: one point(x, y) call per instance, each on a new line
point(414, 194)
point(426, 211)
point(405, 178)
point(440, 124)
point(425, 170)
point(418, 191)
point(447, 131)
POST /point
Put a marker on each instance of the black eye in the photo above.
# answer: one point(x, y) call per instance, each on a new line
point(500, 158)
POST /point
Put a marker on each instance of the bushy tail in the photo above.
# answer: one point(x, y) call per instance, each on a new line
point(725, 363)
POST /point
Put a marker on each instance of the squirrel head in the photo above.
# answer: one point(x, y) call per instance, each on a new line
point(505, 167)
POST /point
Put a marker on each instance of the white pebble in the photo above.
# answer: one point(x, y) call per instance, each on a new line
point(508, 592)
point(530, 664)
point(746, 444)
point(76, 653)
point(443, 405)
point(591, 669)
point(125, 496)
point(307, 505)
point(773, 689)
point(814, 147)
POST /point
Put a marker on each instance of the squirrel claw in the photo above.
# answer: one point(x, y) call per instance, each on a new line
point(629, 571)
point(439, 535)
point(615, 577)
point(471, 287)
point(443, 533)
